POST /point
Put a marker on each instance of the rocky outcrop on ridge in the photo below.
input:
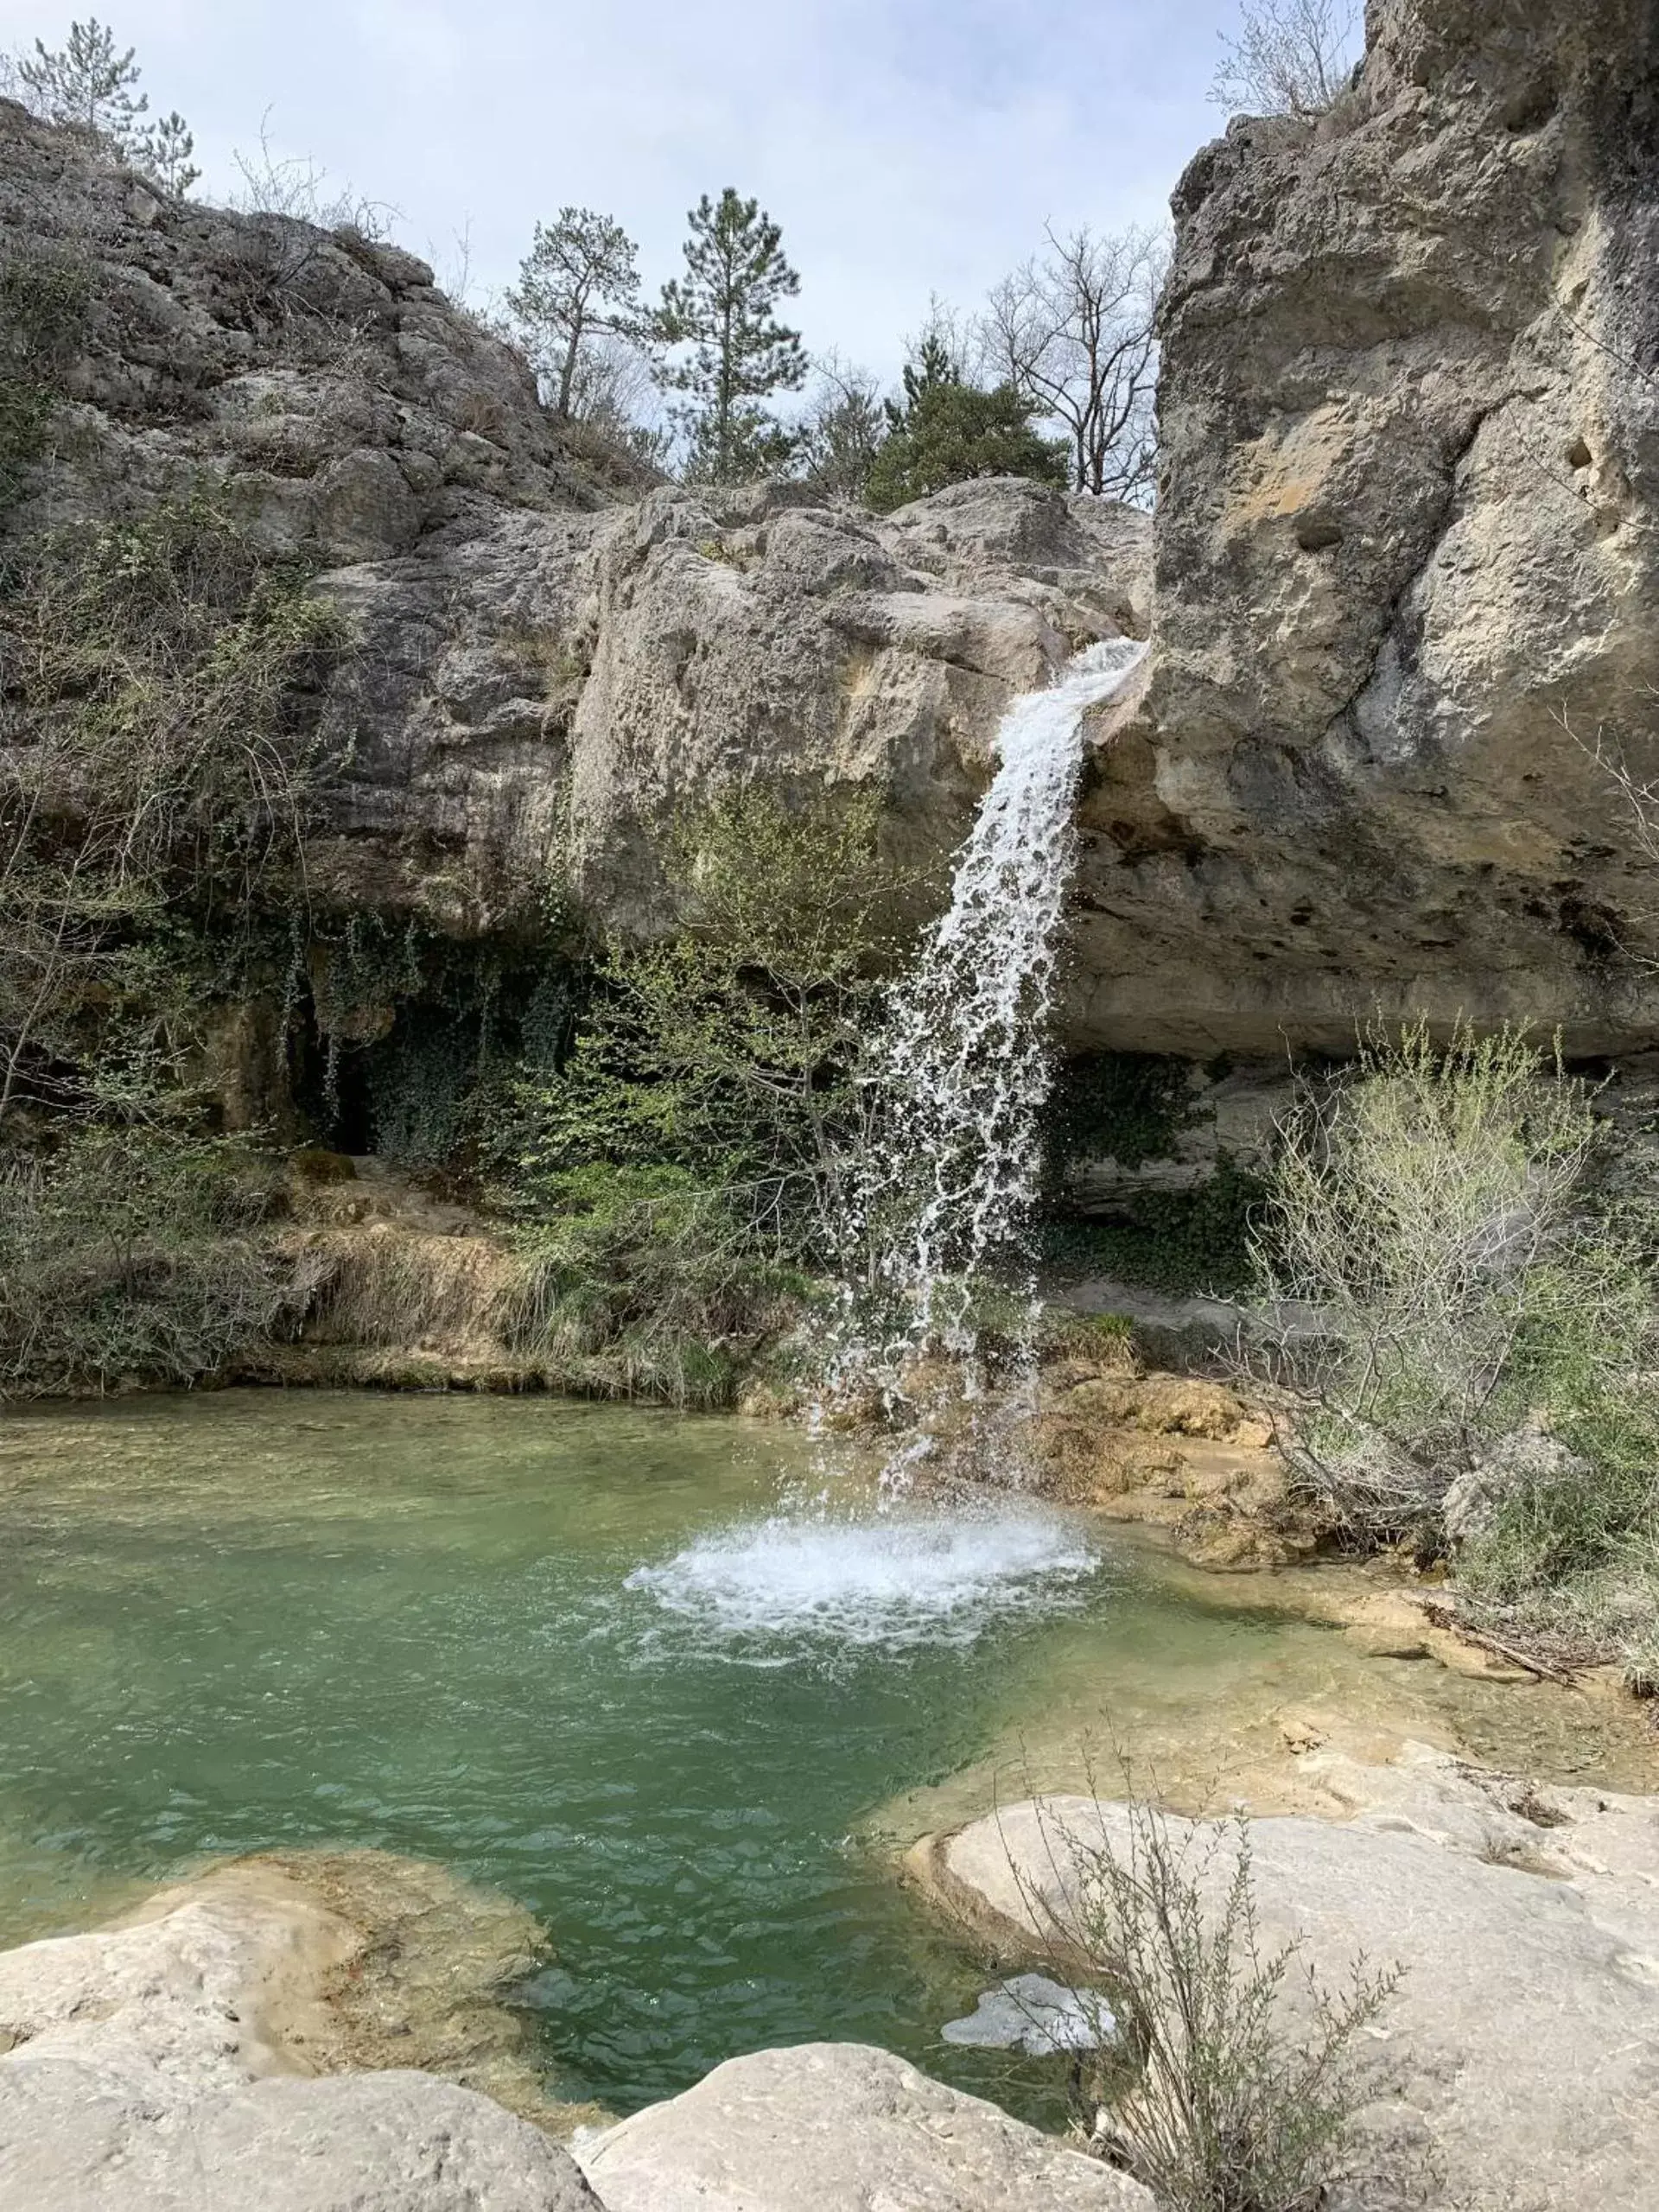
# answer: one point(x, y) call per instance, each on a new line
point(1517, 2063)
point(314, 380)
point(1407, 558)
point(550, 658)
point(533, 703)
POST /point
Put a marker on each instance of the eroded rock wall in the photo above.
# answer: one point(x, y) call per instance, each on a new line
point(1406, 558)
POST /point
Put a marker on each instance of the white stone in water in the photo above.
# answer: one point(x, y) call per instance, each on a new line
point(1029, 2012)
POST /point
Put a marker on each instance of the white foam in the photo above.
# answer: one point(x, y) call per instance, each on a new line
point(891, 1581)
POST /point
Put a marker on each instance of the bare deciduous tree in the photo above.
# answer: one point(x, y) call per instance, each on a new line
point(840, 433)
point(1072, 332)
point(1290, 57)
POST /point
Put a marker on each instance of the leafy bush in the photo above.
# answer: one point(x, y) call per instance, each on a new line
point(727, 1051)
point(156, 763)
point(1205, 2092)
point(644, 1283)
point(131, 1253)
point(680, 1169)
point(1436, 1269)
point(1463, 1323)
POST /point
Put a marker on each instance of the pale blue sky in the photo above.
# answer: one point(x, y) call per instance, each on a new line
point(906, 146)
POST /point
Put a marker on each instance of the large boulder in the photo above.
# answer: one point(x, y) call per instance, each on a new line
point(1518, 2062)
point(1406, 561)
point(165, 2065)
point(840, 2127)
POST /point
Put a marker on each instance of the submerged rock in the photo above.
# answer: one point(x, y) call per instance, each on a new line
point(1518, 2061)
point(1029, 2012)
point(840, 2127)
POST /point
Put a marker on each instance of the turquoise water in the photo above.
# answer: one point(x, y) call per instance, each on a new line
point(559, 1649)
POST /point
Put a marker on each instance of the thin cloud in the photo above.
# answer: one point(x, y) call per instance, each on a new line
point(906, 146)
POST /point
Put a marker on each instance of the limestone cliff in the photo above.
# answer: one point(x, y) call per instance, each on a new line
point(1407, 565)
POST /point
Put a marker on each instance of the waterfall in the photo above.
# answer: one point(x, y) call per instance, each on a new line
point(964, 1067)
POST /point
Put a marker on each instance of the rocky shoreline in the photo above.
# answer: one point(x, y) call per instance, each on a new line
point(315, 2029)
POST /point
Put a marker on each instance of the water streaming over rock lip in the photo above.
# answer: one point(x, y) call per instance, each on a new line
point(964, 1068)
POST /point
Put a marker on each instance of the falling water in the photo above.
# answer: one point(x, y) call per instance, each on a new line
point(945, 1184)
point(965, 1069)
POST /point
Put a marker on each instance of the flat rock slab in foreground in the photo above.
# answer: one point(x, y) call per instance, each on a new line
point(1518, 2066)
point(840, 2127)
point(154, 2067)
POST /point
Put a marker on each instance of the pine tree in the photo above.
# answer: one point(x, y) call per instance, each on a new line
point(579, 281)
point(946, 430)
point(86, 83)
point(165, 151)
point(723, 309)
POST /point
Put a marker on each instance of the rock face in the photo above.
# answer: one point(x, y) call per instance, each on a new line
point(160, 2064)
point(315, 379)
point(1407, 561)
point(1519, 2063)
point(549, 661)
point(531, 704)
point(840, 2127)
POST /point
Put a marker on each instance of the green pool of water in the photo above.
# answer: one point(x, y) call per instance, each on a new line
point(556, 1647)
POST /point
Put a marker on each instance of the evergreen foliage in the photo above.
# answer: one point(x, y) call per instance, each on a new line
point(579, 282)
point(88, 83)
point(724, 309)
point(92, 85)
point(946, 431)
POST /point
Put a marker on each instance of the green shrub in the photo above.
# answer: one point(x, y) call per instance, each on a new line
point(156, 768)
point(1186, 1243)
point(46, 295)
point(1131, 1107)
point(133, 1253)
point(729, 1051)
point(950, 432)
point(640, 1281)
point(1464, 1324)
point(1436, 1217)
